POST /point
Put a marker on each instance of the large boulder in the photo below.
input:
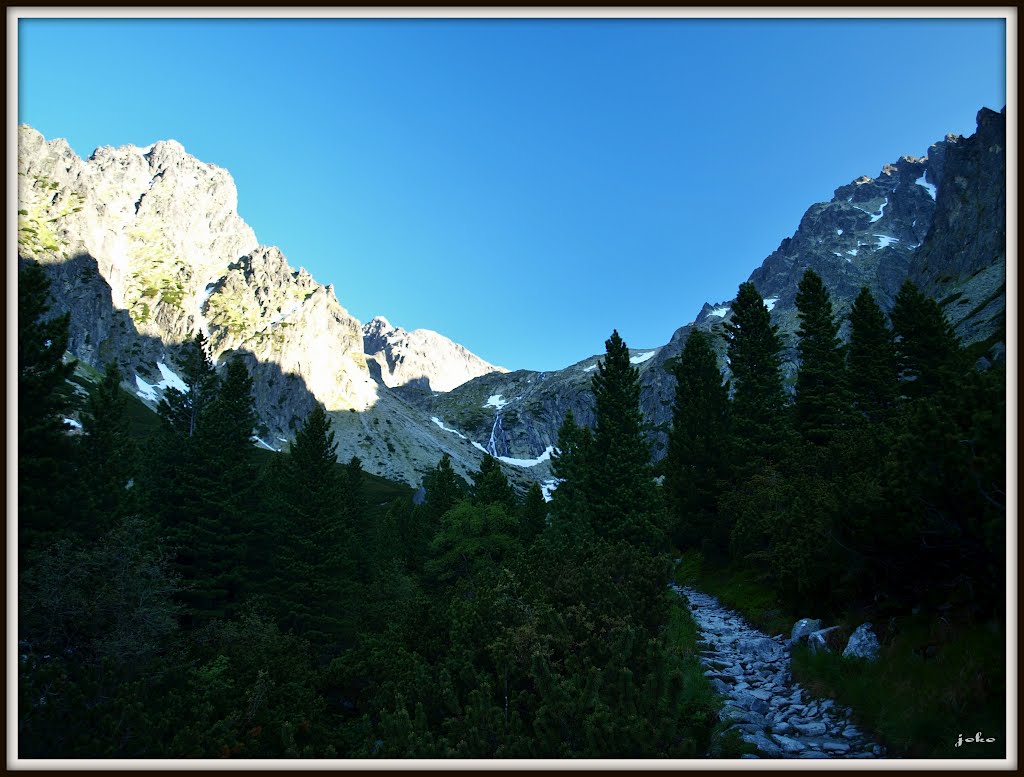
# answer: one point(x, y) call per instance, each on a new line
point(863, 644)
point(803, 629)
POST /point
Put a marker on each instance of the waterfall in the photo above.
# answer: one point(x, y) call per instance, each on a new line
point(497, 445)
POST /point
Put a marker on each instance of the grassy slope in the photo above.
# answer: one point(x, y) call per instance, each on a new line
point(916, 703)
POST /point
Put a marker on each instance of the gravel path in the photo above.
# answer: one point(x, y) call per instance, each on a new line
point(769, 710)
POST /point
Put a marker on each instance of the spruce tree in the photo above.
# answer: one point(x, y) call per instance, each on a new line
point(418, 526)
point(928, 351)
point(821, 392)
point(358, 517)
point(108, 446)
point(754, 356)
point(871, 360)
point(696, 462)
point(490, 486)
point(534, 512)
point(182, 409)
point(571, 465)
point(315, 547)
point(444, 490)
point(622, 495)
point(45, 452)
point(227, 476)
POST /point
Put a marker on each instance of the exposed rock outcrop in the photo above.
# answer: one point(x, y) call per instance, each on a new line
point(145, 248)
point(421, 357)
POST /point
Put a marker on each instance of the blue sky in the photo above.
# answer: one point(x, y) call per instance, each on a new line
point(521, 186)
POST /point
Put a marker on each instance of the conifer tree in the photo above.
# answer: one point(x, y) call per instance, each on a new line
point(182, 409)
point(490, 486)
point(173, 469)
point(927, 349)
point(201, 483)
point(754, 355)
point(444, 490)
point(622, 494)
point(571, 465)
point(871, 362)
point(535, 511)
point(315, 547)
point(821, 393)
point(358, 518)
point(45, 452)
point(109, 449)
point(417, 526)
point(226, 476)
point(696, 461)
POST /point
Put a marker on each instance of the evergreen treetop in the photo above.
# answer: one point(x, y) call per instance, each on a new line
point(871, 358)
point(821, 392)
point(754, 358)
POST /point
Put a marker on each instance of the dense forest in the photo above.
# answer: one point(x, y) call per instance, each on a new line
point(182, 594)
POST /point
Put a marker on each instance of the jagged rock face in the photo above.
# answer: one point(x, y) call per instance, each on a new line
point(518, 414)
point(963, 260)
point(291, 326)
point(421, 356)
point(145, 247)
point(156, 221)
point(938, 217)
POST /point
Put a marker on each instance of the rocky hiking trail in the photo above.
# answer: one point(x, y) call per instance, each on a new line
point(752, 671)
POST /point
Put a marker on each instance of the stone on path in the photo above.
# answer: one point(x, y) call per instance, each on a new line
point(812, 729)
point(762, 743)
point(788, 744)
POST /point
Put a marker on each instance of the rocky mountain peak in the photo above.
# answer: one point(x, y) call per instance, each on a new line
point(421, 357)
point(376, 333)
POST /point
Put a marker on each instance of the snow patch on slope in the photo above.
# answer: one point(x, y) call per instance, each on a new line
point(884, 241)
point(641, 358)
point(545, 456)
point(720, 312)
point(171, 379)
point(440, 423)
point(260, 443)
point(495, 400)
point(876, 216)
point(930, 188)
point(148, 390)
point(770, 302)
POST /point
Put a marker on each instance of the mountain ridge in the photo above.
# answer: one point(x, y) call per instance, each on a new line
point(145, 247)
